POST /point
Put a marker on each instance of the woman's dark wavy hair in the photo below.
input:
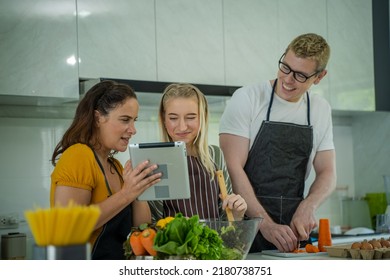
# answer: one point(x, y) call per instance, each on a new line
point(103, 97)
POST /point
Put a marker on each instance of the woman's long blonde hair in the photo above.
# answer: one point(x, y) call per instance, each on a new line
point(200, 143)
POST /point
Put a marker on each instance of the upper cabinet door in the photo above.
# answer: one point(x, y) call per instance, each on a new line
point(351, 70)
point(38, 43)
point(257, 33)
point(117, 39)
point(251, 41)
point(190, 41)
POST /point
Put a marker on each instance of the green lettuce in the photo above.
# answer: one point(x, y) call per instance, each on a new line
point(187, 236)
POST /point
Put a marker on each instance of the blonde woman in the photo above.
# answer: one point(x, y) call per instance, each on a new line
point(183, 116)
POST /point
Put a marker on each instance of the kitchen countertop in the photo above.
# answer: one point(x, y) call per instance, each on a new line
point(260, 256)
point(335, 241)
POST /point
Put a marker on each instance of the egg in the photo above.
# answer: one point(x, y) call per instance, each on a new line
point(356, 245)
point(366, 246)
point(385, 243)
point(375, 243)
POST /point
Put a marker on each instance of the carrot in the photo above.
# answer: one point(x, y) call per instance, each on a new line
point(136, 244)
point(324, 235)
point(147, 240)
point(310, 248)
point(298, 251)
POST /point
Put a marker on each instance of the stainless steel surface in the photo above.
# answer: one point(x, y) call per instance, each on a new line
point(72, 252)
point(13, 246)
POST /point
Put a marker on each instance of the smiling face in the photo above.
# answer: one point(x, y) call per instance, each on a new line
point(288, 87)
point(116, 128)
point(181, 119)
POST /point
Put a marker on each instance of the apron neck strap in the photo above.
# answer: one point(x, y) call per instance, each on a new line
point(104, 174)
point(272, 100)
point(308, 108)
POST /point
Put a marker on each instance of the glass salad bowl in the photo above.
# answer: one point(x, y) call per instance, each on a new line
point(237, 236)
point(189, 238)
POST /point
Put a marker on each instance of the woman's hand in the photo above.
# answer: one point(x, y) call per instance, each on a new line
point(138, 179)
point(236, 203)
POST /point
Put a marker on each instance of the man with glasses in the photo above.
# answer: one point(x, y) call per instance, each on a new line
point(272, 134)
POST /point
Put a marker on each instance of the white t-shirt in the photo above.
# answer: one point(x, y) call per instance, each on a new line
point(248, 106)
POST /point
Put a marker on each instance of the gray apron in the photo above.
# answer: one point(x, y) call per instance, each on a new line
point(109, 244)
point(276, 167)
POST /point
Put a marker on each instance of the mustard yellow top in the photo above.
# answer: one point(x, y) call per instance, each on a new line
point(78, 168)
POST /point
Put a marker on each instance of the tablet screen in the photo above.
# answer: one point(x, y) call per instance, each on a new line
point(171, 159)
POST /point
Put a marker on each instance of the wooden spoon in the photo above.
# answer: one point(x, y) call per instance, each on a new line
point(222, 188)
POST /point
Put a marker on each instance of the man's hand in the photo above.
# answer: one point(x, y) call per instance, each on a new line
point(281, 236)
point(303, 221)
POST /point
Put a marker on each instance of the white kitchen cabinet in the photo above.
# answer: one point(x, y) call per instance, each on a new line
point(351, 68)
point(298, 17)
point(117, 39)
point(251, 41)
point(226, 42)
point(189, 39)
point(258, 32)
point(153, 40)
point(38, 57)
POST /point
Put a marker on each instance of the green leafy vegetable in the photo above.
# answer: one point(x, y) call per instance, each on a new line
point(187, 236)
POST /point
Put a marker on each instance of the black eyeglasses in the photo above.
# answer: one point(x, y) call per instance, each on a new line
point(300, 77)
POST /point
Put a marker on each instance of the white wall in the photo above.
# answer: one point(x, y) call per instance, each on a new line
point(371, 134)
point(332, 207)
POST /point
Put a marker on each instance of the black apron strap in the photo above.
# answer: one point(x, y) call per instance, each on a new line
point(271, 100)
point(308, 109)
point(104, 174)
point(109, 244)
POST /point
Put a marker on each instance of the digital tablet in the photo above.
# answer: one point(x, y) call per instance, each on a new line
point(171, 159)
